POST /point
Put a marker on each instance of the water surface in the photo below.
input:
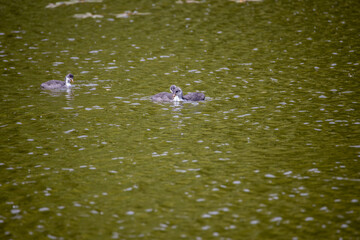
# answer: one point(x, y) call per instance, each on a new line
point(271, 154)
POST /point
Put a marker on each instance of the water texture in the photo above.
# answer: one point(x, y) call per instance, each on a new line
point(272, 153)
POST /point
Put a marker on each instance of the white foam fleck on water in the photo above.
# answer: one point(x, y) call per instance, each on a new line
point(276, 219)
point(269, 176)
point(240, 116)
point(44, 209)
point(69, 131)
point(205, 227)
point(94, 212)
point(15, 211)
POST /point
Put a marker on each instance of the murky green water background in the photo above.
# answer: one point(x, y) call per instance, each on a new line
point(273, 152)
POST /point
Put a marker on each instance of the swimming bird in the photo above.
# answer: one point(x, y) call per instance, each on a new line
point(193, 96)
point(164, 96)
point(57, 85)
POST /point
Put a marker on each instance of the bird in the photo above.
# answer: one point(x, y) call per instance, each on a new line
point(164, 96)
point(57, 85)
point(193, 96)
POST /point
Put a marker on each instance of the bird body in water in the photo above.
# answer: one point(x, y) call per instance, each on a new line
point(176, 95)
point(57, 85)
point(164, 96)
point(193, 96)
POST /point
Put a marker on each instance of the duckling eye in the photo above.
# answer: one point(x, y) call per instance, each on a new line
point(177, 91)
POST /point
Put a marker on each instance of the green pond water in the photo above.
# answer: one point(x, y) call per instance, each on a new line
point(272, 153)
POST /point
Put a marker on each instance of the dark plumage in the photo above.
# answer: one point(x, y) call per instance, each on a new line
point(195, 96)
point(56, 84)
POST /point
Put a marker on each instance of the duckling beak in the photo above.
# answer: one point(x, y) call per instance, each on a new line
point(174, 95)
point(71, 80)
